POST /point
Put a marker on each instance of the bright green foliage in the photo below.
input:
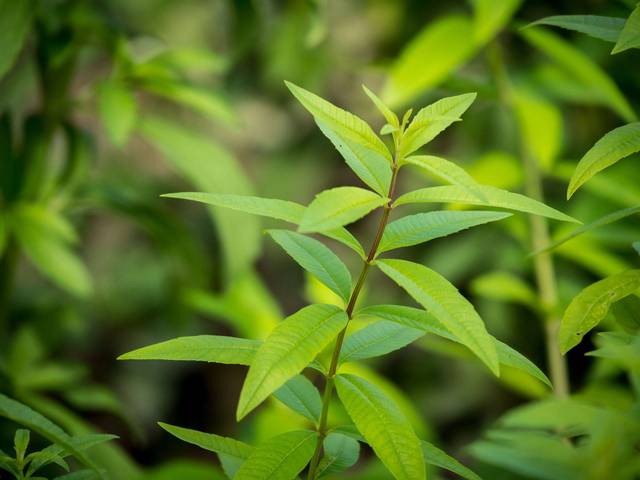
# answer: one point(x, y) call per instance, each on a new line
point(613, 146)
point(630, 36)
point(292, 345)
point(383, 426)
point(117, 108)
point(620, 347)
point(15, 18)
point(434, 456)
point(200, 348)
point(340, 453)
point(445, 303)
point(280, 458)
point(209, 441)
point(422, 227)
point(301, 396)
point(445, 171)
point(505, 286)
point(604, 28)
point(490, 17)
point(494, 197)
point(337, 207)
point(376, 339)
point(319, 260)
point(433, 120)
point(591, 305)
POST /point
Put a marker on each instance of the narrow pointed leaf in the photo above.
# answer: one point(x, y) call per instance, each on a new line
point(316, 258)
point(387, 113)
point(422, 227)
point(446, 171)
point(443, 301)
point(210, 441)
point(15, 20)
point(490, 17)
point(290, 347)
point(592, 304)
point(383, 426)
point(603, 28)
point(432, 120)
point(495, 197)
point(340, 453)
point(301, 396)
point(339, 206)
point(630, 35)
point(279, 458)
point(612, 147)
point(340, 121)
point(434, 456)
point(377, 339)
point(199, 348)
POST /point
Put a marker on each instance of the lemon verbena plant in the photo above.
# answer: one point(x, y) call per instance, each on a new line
point(318, 339)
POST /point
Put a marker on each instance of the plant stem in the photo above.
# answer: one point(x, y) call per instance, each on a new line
point(539, 230)
point(335, 357)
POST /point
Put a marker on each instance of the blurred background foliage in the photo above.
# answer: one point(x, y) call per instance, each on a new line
point(106, 105)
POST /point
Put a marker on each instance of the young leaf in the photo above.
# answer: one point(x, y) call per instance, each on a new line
point(603, 28)
point(444, 302)
point(301, 396)
point(446, 42)
point(613, 146)
point(383, 426)
point(432, 120)
point(422, 227)
point(15, 20)
point(446, 171)
point(21, 443)
point(580, 67)
point(434, 456)
point(630, 36)
point(340, 453)
point(317, 259)
point(279, 458)
point(199, 348)
point(340, 121)
point(377, 339)
point(339, 206)
point(118, 110)
point(607, 219)
point(495, 197)
point(592, 304)
point(387, 113)
point(290, 347)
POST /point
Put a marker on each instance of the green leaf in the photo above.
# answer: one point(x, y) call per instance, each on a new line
point(620, 347)
point(423, 227)
point(512, 358)
point(343, 123)
point(370, 166)
point(592, 304)
point(383, 425)
point(613, 146)
point(56, 453)
point(433, 119)
point(118, 110)
point(279, 458)
point(228, 449)
point(434, 456)
point(199, 348)
point(447, 44)
point(340, 453)
point(605, 220)
point(636, 246)
point(444, 302)
point(301, 396)
point(317, 259)
point(387, 113)
point(446, 171)
point(603, 28)
point(20, 413)
point(267, 207)
point(290, 347)
point(45, 238)
point(21, 442)
point(506, 287)
point(339, 206)
point(495, 197)
point(377, 339)
point(580, 67)
point(490, 17)
point(15, 20)
point(630, 36)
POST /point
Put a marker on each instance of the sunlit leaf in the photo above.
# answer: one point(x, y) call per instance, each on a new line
point(340, 453)
point(279, 458)
point(495, 197)
point(15, 20)
point(377, 339)
point(603, 28)
point(630, 36)
point(490, 17)
point(387, 113)
point(445, 171)
point(199, 348)
point(591, 305)
point(339, 206)
point(290, 347)
point(613, 146)
point(300, 395)
point(444, 302)
point(434, 456)
point(505, 286)
point(317, 259)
